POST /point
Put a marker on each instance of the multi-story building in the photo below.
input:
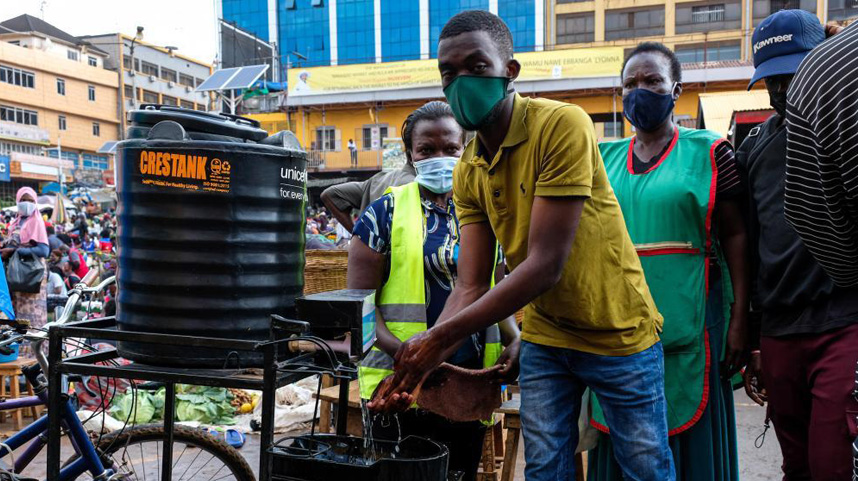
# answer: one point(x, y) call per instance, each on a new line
point(160, 75)
point(709, 30)
point(311, 33)
point(319, 39)
point(56, 98)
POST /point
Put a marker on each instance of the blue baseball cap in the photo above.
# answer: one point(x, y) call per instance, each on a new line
point(782, 41)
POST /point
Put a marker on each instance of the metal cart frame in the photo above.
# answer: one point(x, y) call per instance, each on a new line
point(274, 374)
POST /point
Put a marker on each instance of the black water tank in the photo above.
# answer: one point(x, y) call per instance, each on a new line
point(210, 231)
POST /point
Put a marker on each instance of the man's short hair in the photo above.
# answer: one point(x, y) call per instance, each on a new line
point(481, 21)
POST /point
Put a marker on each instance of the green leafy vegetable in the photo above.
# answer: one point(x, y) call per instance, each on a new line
point(207, 405)
point(141, 407)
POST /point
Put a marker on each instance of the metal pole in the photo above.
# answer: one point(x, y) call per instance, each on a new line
point(269, 383)
point(169, 425)
point(614, 109)
point(343, 407)
point(55, 394)
point(749, 22)
point(60, 160)
point(133, 76)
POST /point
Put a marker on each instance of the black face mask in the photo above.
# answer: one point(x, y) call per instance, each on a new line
point(778, 101)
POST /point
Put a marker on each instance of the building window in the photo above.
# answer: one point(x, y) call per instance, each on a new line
point(613, 130)
point(91, 161)
point(167, 100)
point(96, 129)
point(19, 115)
point(72, 55)
point(150, 97)
point(289, 5)
point(708, 17)
point(186, 104)
point(318, 3)
point(61, 86)
point(91, 93)
point(93, 62)
point(842, 9)
point(576, 28)
point(150, 69)
point(201, 107)
point(381, 131)
point(633, 24)
point(18, 77)
point(129, 92)
point(62, 123)
point(709, 52)
point(169, 75)
point(126, 63)
point(326, 138)
point(764, 8)
point(186, 80)
point(707, 14)
point(777, 5)
point(70, 156)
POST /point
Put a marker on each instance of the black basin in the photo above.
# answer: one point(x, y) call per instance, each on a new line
point(325, 457)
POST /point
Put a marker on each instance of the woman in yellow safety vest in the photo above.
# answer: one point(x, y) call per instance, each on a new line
point(407, 246)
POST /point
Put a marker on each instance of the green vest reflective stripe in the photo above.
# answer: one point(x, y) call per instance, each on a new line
point(402, 303)
point(668, 213)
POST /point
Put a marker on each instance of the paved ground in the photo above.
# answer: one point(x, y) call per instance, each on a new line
point(755, 464)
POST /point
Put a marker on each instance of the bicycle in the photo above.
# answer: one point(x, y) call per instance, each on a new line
point(114, 456)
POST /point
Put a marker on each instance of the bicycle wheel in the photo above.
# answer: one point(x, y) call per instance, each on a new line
point(135, 454)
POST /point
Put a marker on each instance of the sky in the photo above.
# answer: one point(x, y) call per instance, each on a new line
point(189, 25)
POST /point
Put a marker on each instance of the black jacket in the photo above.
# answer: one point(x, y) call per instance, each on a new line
point(790, 291)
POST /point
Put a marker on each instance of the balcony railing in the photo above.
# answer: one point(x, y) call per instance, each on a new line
point(342, 160)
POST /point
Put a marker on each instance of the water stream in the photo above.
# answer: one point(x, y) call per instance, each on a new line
point(369, 452)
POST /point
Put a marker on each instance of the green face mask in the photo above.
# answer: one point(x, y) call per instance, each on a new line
point(473, 97)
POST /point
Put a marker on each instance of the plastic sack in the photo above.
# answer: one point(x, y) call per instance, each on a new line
point(24, 273)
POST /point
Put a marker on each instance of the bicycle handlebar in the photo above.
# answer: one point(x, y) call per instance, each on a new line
point(40, 336)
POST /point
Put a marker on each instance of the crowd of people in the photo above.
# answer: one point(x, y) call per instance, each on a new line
point(63, 253)
point(324, 231)
point(651, 270)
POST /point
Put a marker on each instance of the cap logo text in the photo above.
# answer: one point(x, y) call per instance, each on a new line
point(772, 40)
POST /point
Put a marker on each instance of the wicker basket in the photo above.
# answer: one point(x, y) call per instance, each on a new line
point(325, 270)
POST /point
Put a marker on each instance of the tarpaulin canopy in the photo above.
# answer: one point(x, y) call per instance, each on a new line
point(715, 110)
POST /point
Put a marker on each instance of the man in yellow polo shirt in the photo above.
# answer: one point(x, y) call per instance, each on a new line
point(533, 178)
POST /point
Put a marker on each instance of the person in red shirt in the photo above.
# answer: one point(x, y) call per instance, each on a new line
point(77, 258)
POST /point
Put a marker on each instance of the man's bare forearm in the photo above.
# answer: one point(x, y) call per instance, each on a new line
point(344, 218)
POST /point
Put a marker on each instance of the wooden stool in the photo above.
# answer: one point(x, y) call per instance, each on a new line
point(330, 396)
point(512, 424)
point(492, 457)
point(12, 370)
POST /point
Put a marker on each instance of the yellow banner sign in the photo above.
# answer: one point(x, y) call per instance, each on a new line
point(554, 64)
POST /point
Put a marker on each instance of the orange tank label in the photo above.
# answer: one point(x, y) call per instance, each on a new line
point(184, 171)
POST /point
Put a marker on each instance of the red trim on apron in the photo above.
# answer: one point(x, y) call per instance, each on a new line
point(667, 251)
point(629, 162)
point(703, 403)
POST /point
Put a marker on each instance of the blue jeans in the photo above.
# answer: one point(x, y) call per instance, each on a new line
point(631, 392)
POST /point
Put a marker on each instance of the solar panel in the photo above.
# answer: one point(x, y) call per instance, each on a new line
point(108, 148)
point(217, 80)
point(245, 77)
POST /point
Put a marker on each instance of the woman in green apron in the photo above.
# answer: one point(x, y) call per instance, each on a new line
point(680, 195)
